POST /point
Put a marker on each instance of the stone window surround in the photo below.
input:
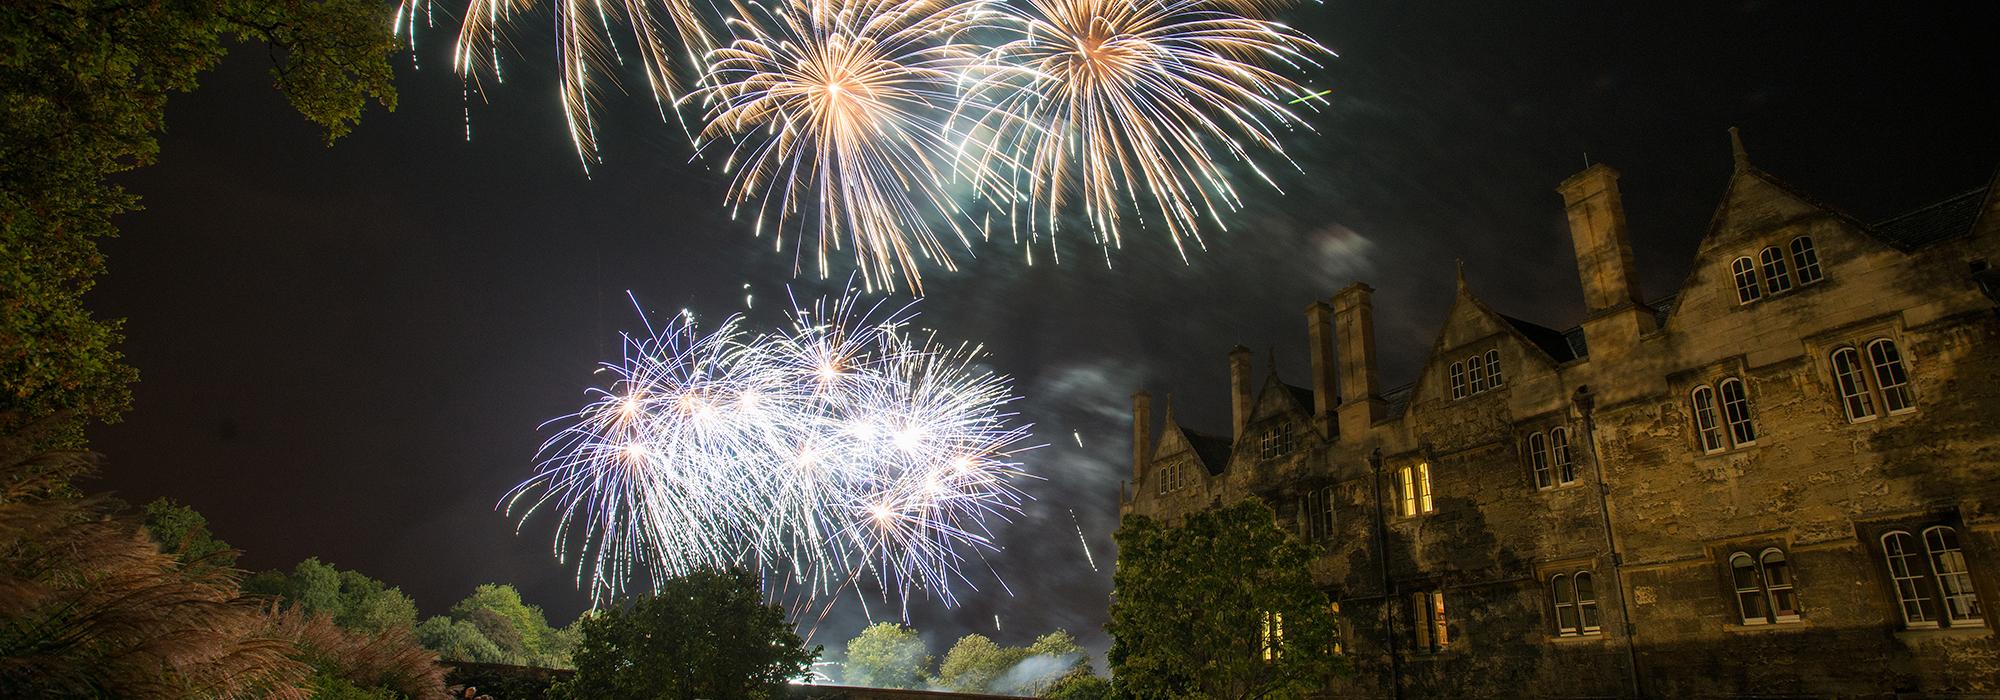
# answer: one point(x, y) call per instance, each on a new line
point(1544, 461)
point(1478, 373)
point(1751, 275)
point(1712, 380)
point(1875, 538)
point(1859, 336)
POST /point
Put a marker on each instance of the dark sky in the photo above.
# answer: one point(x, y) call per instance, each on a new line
point(346, 352)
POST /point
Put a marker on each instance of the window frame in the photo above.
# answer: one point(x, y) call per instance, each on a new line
point(1805, 258)
point(1413, 490)
point(1894, 365)
point(1587, 603)
point(1277, 442)
point(1760, 589)
point(1429, 621)
point(1910, 585)
point(1320, 515)
point(1538, 462)
point(1777, 279)
point(1560, 457)
point(1857, 401)
point(1962, 587)
point(1708, 430)
point(1457, 374)
point(1562, 597)
point(1475, 371)
point(1493, 378)
point(1749, 289)
point(1738, 419)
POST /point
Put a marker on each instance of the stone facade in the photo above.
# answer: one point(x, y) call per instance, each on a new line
point(1743, 525)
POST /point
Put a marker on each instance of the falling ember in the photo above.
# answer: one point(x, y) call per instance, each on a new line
point(1082, 540)
point(1078, 436)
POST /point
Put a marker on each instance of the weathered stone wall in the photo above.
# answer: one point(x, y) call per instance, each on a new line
point(1813, 485)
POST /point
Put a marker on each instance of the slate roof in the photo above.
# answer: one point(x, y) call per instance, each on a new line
point(1554, 342)
point(1941, 221)
point(1302, 394)
point(1398, 399)
point(1212, 449)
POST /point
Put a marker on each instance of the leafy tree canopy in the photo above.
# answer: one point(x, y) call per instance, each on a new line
point(520, 630)
point(886, 655)
point(458, 640)
point(83, 93)
point(182, 532)
point(354, 601)
point(707, 635)
point(975, 662)
point(1191, 605)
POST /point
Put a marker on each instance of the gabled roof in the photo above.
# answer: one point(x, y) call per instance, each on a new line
point(1398, 399)
point(1212, 450)
point(1944, 220)
point(1554, 342)
point(1302, 395)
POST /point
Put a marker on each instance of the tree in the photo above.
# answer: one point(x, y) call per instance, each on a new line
point(519, 629)
point(1194, 608)
point(183, 533)
point(886, 655)
point(352, 600)
point(975, 662)
point(706, 635)
point(1079, 686)
point(458, 640)
point(83, 92)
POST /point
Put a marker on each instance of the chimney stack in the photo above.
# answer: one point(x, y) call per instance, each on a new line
point(1142, 434)
point(1319, 332)
point(1597, 228)
point(1361, 403)
point(1239, 390)
point(1616, 315)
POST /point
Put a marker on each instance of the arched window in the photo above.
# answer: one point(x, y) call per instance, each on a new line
point(1736, 410)
point(1749, 589)
point(1778, 582)
point(1559, 456)
point(1458, 380)
point(1586, 602)
point(1776, 278)
point(1899, 551)
point(1564, 598)
point(1493, 368)
point(1478, 371)
point(1890, 378)
point(1805, 260)
point(1705, 425)
point(1853, 386)
point(1745, 271)
point(1961, 603)
point(1538, 458)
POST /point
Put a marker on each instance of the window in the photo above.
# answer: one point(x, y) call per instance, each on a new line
point(1764, 590)
point(1427, 617)
point(1736, 410)
point(1575, 600)
point(1277, 442)
point(1319, 514)
point(1704, 420)
point(1559, 456)
point(1854, 398)
point(1173, 477)
point(1961, 603)
point(1777, 279)
point(1806, 260)
point(1413, 490)
point(1273, 636)
point(1458, 380)
point(1906, 572)
point(1493, 368)
point(1745, 270)
point(1478, 371)
point(1890, 378)
point(1538, 459)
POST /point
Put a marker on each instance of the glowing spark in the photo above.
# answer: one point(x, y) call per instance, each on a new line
point(1315, 96)
point(1080, 539)
point(1078, 436)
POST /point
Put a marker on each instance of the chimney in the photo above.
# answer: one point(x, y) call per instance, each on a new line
point(1142, 434)
point(1597, 228)
point(1319, 332)
point(1361, 401)
point(1239, 389)
point(1616, 316)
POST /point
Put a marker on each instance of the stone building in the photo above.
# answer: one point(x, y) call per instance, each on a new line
point(1782, 480)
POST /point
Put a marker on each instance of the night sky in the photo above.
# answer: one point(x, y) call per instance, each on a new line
point(347, 352)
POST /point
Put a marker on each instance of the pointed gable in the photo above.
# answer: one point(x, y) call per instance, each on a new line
point(1176, 441)
point(1469, 321)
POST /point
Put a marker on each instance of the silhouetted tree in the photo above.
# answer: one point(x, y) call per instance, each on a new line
point(708, 635)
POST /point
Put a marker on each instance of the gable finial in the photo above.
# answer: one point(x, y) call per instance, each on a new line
point(1461, 274)
point(1170, 408)
point(1736, 149)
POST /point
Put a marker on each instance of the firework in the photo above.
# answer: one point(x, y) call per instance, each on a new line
point(840, 448)
point(1138, 106)
point(835, 112)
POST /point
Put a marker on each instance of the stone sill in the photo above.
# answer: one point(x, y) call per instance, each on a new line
point(1929, 633)
point(1786, 626)
point(1592, 638)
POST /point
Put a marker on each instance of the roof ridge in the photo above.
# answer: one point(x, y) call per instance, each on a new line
point(1951, 199)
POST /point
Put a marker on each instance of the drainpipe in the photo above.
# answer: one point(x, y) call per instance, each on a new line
point(1586, 402)
point(1388, 596)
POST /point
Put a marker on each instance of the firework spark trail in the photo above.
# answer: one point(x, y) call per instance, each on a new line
point(839, 448)
point(1134, 105)
point(1081, 540)
point(835, 114)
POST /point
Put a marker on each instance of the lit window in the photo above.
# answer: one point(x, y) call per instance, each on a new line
point(1319, 514)
point(1777, 279)
point(1538, 459)
point(1906, 572)
point(1705, 423)
point(1854, 398)
point(1273, 636)
point(1559, 456)
point(1478, 371)
point(1890, 377)
point(1745, 270)
point(1736, 410)
point(1493, 368)
point(1458, 380)
point(1413, 490)
point(1806, 260)
point(1764, 587)
point(1961, 603)
point(1427, 616)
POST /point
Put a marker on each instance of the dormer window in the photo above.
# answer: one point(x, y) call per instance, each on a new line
point(1276, 442)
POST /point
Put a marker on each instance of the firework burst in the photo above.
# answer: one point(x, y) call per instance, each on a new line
point(1139, 106)
point(835, 113)
point(841, 448)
